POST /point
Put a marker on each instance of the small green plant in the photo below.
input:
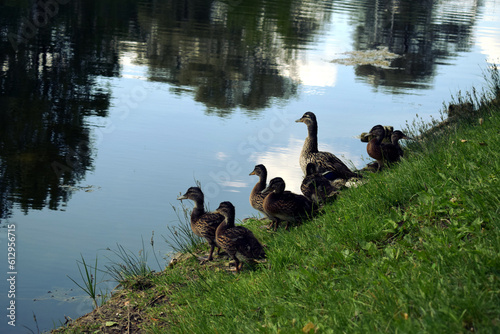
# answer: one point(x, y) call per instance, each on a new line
point(154, 252)
point(89, 278)
point(182, 239)
point(130, 270)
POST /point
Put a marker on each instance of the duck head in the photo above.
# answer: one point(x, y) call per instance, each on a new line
point(276, 185)
point(226, 209)
point(308, 118)
point(193, 193)
point(397, 135)
point(259, 170)
point(311, 169)
point(377, 131)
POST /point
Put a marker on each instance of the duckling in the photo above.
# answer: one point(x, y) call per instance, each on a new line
point(461, 109)
point(384, 152)
point(204, 224)
point(325, 161)
point(256, 196)
point(236, 239)
point(316, 186)
point(285, 205)
point(392, 151)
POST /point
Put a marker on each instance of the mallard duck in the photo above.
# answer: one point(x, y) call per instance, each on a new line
point(316, 186)
point(256, 196)
point(374, 147)
point(285, 205)
point(384, 152)
point(236, 239)
point(325, 161)
point(393, 150)
point(204, 224)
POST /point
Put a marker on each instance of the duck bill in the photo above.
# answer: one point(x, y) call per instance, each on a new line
point(252, 173)
point(182, 197)
point(267, 190)
point(300, 120)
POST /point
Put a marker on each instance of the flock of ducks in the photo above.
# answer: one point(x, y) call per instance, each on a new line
point(325, 175)
point(382, 151)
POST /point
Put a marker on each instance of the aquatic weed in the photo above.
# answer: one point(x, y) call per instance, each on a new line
point(89, 278)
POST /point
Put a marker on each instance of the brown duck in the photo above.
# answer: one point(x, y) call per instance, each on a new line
point(325, 161)
point(281, 205)
point(237, 239)
point(394, 151)
point(316, 186)
point(256, 195)
point(203, 224)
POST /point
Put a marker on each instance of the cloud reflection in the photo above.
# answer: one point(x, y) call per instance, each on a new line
point(235, 184)
point(284, 161)
point(316, 73)
point(490, 46)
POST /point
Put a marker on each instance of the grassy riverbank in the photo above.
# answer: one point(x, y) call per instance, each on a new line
point(415, 249)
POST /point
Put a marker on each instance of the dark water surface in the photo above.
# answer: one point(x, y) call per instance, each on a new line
point(110, 109)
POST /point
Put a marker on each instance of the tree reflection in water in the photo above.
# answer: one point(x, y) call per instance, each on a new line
point(232, 54)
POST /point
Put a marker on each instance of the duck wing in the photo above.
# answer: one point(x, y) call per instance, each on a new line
point(326, 161)
point(257, 199)
point(207, 224)
point(299, 206)
point(390, 152)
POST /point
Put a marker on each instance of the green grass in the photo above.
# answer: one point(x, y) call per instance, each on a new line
point(128, 265)
point(414, 250)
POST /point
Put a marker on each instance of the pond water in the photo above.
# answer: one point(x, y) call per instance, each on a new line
point(109, 110)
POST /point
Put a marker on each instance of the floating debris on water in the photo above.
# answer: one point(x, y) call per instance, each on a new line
point(381, 57)
point(62, 295)
point(87, 189)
